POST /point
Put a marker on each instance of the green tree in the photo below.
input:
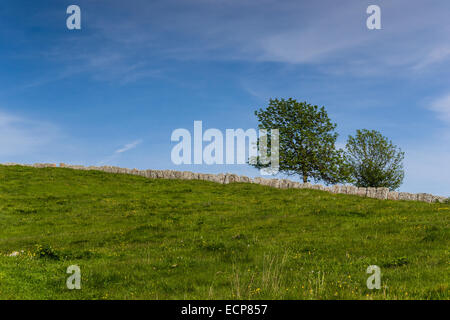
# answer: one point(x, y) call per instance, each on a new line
point(307, 140)
point(374, 161)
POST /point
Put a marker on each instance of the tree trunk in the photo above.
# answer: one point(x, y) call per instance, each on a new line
point(305, 178)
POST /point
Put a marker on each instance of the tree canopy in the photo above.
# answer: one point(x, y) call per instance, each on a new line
point(307, 140)
point(374, 161)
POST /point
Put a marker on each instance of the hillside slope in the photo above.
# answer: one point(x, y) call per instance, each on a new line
point(139, 238)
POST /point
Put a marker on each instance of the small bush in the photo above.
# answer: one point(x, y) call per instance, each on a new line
point(46, 251)
point(396, 262)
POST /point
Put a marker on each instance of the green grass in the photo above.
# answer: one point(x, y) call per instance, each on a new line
point(138, 238)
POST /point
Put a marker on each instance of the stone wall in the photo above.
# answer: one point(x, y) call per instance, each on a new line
point(377, 193)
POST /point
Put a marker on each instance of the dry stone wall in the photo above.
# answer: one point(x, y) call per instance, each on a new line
point(377, 193)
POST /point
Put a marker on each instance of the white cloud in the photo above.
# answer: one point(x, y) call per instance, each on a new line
point(21, 136)
point(118, 152)
point(442, 107)
point(333, 37)
point(128, 146)
point(436, 55)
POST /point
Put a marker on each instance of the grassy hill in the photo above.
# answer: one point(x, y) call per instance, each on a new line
point(138, 238)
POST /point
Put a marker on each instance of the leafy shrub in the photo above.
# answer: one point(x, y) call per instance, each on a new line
point(46, 251)
point(396, 262)
point(374, 160)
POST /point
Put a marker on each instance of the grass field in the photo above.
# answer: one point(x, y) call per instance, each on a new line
point(139, 238)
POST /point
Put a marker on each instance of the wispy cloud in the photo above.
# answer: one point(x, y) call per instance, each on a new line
point(21, 136)
point(129, 146)
point(118, 152)
point(442, 107)
point(331, 37)
point(436, 55)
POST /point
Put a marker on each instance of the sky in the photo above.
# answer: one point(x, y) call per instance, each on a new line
point(113, 92)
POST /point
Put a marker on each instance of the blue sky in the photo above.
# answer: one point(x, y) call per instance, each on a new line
point(113, 92)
